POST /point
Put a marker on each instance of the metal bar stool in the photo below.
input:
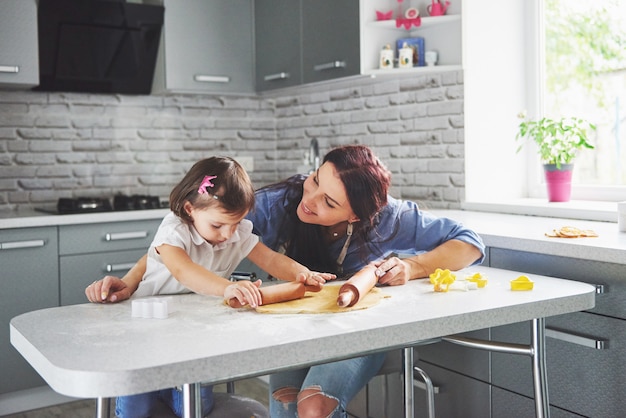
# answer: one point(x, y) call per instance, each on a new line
point(227, 405)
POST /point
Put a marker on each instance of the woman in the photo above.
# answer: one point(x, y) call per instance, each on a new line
point(339, 219)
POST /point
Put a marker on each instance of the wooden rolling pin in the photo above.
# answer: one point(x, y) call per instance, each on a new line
point(276, 293)
point(357, 286)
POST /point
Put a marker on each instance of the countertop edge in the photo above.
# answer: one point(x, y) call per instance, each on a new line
point(500, 230)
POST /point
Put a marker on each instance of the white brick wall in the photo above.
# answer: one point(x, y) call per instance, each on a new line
point(67, 144)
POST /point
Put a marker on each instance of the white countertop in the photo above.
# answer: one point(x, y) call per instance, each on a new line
point(527, 233)
point(33, 218)
point(511, 231)
point(94, 350)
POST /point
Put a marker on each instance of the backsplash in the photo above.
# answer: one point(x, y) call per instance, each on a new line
point(56, 145)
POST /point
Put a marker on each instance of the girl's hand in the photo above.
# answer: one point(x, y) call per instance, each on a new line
point(393, 271)
point(108, 290)
point(314, 280)
point(245, 291)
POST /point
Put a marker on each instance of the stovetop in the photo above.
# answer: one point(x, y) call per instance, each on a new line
point(102, 204)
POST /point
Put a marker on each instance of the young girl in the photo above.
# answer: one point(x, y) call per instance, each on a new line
point(200, 243)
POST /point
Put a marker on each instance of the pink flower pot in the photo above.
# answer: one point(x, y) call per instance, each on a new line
point(559, 182)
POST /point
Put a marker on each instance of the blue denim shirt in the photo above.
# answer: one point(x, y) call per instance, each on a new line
point(416, 231)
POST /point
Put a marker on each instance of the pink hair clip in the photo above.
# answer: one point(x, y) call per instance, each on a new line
point(206, 182)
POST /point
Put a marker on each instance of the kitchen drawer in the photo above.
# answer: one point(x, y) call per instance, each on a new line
point(468, 361)
point(611, 276)
point(456, 395)
point(581, 378)
point(507, 404)
point(113, 236)
point(29, 279)
point(78, 271)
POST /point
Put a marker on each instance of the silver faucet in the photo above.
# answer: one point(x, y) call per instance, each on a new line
point(314, 154)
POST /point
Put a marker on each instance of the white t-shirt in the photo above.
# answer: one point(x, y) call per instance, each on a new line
point(221, 259)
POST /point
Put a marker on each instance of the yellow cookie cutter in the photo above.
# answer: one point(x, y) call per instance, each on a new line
point(478, 278)
point(442, 279)
point(522, 283)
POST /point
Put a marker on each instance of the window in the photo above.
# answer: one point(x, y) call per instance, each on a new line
point(584, 75)
point(547, 57)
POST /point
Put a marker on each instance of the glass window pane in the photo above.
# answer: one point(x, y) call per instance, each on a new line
point(585, 76)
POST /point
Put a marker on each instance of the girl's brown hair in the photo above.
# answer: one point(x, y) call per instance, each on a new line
point(232, 190)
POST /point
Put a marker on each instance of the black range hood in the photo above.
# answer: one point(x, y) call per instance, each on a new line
point(98, 46)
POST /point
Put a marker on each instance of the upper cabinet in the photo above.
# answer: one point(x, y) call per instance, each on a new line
point(304, 41)
point(330, 39)
point(19, 53)
point(277, 41)
point(441, 34)
point(206, 47)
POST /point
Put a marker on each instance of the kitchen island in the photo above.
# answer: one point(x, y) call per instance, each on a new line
point(77, 348)
point(600, 260)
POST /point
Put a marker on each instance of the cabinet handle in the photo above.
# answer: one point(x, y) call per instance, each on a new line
point(125, 235)
point(9, 69)
point(277, 76)
point(211, 78)
point(22, 244)
point(577, 339)
point(330, 65)
point(117, 267)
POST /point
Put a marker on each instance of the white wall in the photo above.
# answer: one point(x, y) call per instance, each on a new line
point(495, 63)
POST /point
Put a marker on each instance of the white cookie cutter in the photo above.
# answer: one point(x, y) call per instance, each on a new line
point(158, 308)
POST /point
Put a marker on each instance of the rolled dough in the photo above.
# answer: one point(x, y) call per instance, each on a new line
point(324, 301)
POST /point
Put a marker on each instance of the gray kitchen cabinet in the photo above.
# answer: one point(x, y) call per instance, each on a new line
point(278, 44)
point(19, 51)
point(585, 350)
point(330, 39)
point(206, 47)
point(456, 395)
point(506, 404)
point(581, 378)
point(306, 41)
point(29, 277)
point(89, 252)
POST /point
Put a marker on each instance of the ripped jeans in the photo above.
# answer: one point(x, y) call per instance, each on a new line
point(340, 380)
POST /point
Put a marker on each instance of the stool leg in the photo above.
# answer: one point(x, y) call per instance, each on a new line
point(540, 378)
point(230, 387)
point(192, 401)
point(103, 407)
point(430, 392)
point(408, 382)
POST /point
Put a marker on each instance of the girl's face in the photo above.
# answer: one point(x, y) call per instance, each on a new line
point(324, 200)
point(213, 223)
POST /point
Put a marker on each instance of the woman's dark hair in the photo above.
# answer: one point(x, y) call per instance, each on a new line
point(366, 181)
point(232, 188)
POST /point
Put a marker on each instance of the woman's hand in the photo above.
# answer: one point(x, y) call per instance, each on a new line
point(245, 291)
point(314, 280)
point(393, 271)
point(110, 289)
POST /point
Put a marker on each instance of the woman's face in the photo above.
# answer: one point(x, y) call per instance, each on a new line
point(324, 200)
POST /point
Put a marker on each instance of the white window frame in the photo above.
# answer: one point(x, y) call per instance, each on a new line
point(501, 74)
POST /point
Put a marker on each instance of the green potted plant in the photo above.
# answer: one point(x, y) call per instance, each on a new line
point(558, 141)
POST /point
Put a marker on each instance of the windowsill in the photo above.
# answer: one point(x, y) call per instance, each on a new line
point(575, 209)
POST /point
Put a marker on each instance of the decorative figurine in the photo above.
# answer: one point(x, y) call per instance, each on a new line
point(436, 8)
point(405, 56)
point(386, 57)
